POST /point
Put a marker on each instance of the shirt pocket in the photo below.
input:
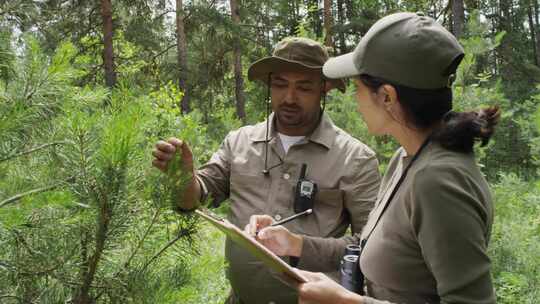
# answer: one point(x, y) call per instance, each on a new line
point(249, 195)
point(328, 210)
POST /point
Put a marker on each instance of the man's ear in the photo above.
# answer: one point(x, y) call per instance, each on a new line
point(328, 86)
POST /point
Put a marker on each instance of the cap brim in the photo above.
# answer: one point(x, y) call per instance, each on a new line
point(260, 69)
point(340, 67)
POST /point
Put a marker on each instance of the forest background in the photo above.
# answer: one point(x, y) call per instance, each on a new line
point(88, 87)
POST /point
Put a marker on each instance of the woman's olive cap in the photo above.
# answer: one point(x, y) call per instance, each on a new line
point(407, 49)
point(294, 54)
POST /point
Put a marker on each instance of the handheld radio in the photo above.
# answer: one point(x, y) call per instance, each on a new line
point(304, 196)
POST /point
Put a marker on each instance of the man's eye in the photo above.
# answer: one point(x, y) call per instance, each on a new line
point(305, 89)
point(279, 84)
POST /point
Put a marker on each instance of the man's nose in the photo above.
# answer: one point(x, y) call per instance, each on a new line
point(291, 95)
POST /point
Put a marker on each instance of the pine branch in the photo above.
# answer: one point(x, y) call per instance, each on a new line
point(34, 191)
point(6, 296)
point(163, 51)
point(181, 234)
point(164, 13)
point(444, 11)
point(32, 150)
point(141, 242)
point(139, 245)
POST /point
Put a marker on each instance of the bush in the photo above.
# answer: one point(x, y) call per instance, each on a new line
point(515, 244)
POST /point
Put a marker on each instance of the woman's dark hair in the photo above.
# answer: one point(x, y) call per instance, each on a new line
point(457, 131)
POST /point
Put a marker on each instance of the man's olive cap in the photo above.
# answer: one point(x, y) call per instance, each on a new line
point(293, 54)
point(407, 49)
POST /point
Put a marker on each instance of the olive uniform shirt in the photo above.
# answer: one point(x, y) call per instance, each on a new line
point(430, 245)
point(345, 170)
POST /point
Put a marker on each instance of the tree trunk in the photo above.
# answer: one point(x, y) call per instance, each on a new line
point(237, 53)
point(350, 12)
point(536, 30)
point(458, 18)
point(181, 49)
point(315, 17)
point(328, 23)
point(532, 28)
point(294, 9)
point(341, 34)
point(103, 221)
point(108, 54)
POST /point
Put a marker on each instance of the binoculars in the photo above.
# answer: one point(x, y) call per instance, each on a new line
point(352, 278)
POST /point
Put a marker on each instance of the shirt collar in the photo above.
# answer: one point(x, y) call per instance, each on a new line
point(324, 134)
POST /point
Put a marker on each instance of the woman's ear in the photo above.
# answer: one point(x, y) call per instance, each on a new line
point(388, 95)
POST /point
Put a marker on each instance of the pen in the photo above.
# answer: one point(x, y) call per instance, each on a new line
point(290, 218)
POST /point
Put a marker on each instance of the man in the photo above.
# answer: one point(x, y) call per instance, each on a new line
point(258, 167)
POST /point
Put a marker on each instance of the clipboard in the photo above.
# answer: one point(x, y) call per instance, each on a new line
point(247, 242)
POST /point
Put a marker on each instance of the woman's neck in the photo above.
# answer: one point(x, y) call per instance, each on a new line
point(411, 140)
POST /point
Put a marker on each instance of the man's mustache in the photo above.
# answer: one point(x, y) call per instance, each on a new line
point(290, 107)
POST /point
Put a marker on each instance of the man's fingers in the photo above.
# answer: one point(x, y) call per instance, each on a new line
point(165, 147)
point(175, 142)
point(162, 156)
point(257, 222)
point(186, 152)
point(253, 225)
point(187, 155)
point(161, 165)
point(271, 232)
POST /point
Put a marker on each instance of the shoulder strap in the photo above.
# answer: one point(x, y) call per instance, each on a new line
point(393, 193)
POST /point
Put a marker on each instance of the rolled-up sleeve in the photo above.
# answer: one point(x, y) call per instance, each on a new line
point(360, 187)
point(214, 176)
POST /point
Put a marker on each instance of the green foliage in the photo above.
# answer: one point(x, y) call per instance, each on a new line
point(342, 108)
point(537, 118)
point(89, 147)
point(208, 282)
point(475, 89)
point(7, 56)
point(108, 219)
point(515, 244)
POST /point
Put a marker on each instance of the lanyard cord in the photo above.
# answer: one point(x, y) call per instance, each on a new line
point(266, 170)
point(392, 194)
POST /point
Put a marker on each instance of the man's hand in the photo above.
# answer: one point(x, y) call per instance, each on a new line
point(276, 238)
point(321, 289)
point(164, 153)
point(185, 189)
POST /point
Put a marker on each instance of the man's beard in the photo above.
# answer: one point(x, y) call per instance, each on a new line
point(294, 116)
point(290, 115)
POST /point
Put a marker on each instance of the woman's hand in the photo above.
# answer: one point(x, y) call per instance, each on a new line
point(320, 289)
point(276, 238)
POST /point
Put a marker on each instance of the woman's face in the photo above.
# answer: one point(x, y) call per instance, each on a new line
point(370, 106)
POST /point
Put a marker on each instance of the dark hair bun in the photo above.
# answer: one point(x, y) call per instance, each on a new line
point(460, 130)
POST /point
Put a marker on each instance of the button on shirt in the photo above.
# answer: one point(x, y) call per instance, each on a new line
point(345, 170)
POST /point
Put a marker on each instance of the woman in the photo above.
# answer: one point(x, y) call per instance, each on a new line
point(426, 239)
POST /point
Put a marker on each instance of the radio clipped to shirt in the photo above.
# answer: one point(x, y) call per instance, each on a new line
point(304, 196)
